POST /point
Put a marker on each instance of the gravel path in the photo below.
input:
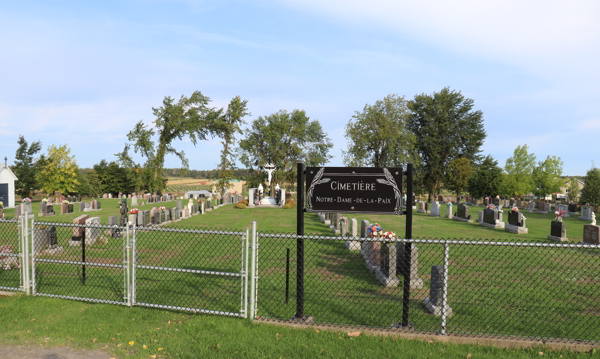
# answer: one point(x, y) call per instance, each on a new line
point(31, 352)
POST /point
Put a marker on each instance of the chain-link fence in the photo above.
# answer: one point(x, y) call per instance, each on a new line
point(11, 259)
point(202, 271)
point(539, 290)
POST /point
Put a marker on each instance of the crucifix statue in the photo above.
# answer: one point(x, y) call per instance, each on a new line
point(269, 168)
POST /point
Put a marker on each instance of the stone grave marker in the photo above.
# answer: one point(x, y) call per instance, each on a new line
point(586, 213)
point(91, 233)
point(134, 200)
point(78, 232)
point(516, 223)
point(140, 218)
point(434, 302)
point(112, 221)
point(435, 209)
point(81, 206)
point(462, 214)
point(558, 232)
point(146, 217)
point(401, 265)
point(591, 234)
point(572, 208)
point(492, 218)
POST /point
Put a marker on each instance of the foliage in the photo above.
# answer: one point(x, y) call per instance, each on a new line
point(446, 128)
point(591, 189)
point(459, 173)
point(574, 190)
point(58, 171)
point(25, 168)
point(240, 205)
point(190, 117)
point(546, 176)
point(229, 124)
point(113, 178)
point(487, 179)
point(284, 139)
point(519, 172)
point(89, 183)
point(378, 136)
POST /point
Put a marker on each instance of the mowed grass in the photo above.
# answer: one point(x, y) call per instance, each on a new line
point(507, 291)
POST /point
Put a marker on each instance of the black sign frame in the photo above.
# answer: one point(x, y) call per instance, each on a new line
point(354, 190)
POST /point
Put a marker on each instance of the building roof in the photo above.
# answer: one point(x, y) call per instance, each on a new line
point(10, 173)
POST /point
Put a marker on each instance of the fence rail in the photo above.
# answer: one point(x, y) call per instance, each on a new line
point(545, 291)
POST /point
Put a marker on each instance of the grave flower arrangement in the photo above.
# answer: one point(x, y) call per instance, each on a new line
point(1, 205)
point(587, 205)
point(45, 200)
point(559, 215)
point(491, 206)
point(134, 211)
point(515, 209)
point(343, 220)
point(66, 201)
point(374, 230)
point(26, 200)
point(161, 208)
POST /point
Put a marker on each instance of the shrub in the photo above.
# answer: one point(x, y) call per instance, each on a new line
point(287, 206)
point(240, 205)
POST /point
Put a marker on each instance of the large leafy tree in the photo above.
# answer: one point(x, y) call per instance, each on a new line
point(189, 117)
point(113, 178)
point(487, 179)
point(25, 167)
point(459, 173)
point(446, 128)
point(519, 172)
point(591, 189)
point(285, 138)
point(378, 137)
point(58, 171)
point(573, 188)
point(546, 176)
point(229, 124)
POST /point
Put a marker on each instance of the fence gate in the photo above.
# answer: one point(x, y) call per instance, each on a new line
point(13, 268)
point(79, 261)
point(201, 271)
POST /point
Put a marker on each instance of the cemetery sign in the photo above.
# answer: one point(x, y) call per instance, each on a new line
point(354, 190)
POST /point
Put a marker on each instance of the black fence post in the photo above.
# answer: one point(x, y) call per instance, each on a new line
point(407, 245)
point(287, 275)
point(300, 241)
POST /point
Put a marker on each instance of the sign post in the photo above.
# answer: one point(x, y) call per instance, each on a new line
point(352, 190)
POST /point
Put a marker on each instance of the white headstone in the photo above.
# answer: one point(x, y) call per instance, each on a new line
point(92, 233)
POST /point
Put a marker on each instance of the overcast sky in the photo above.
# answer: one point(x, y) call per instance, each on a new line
point(83, 73)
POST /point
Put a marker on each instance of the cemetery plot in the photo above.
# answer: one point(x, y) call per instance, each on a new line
point(10, 249)
point(508, 290)
point(190, 270)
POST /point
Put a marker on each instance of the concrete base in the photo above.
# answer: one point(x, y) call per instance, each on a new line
point(55, 250)
point(209, 209)
point(327, 222)
point(585, 219)
point(448, 216)
point(541, 212)
point(496, 226)
point(515, 229)
point(462, 219)
point(557, 239)
point(421, 211)
point(434, 215)
point(437, 310)
point(268, 200)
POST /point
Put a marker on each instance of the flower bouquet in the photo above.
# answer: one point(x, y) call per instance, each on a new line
point(134, 211)
point(26, 200)
point(65, 202)
point(374, 230)
point(559, 215)
point(343, 220)
point(161, 208)
point(491, 206)
point(515, 209)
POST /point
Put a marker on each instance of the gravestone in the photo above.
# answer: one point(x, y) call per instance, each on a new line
point(163, 216)
point(486, 201)
point(153, 215)
point(496, 201)
point(364, 224)
point(134, 200)
point(435, 209)
point(492, 218)
point(92, 233)
point(69, 208)
point(18, 211)
point(115, 232)
point(81, 206)
point(353, 245)
point(543, 208)
point(78, 232)
point(591, 234)
point(63, 208)
point(516, 223)
point(146, 215)
point(98, 205)
point(462, 214)
point(434, 302)
point(49, 210)
point(156, 218)
point(572, 208)
point(41, 240)
point(401, 265)
point(26, 208)
point(449, 214)
point(558, 232)
point(421, 207)
point(167, 215)
point(172, 211)
point(586, 213)
point(531, 206)
point(140, 218)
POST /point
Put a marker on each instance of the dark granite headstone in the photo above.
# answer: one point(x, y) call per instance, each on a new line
point(437, 285)
point(52, 242)
point(572, 208)
point(463, 211)
point(69, 208)
point(163, 216)
point(496, 201)
point(489, 216)
point(146, 218)
point(486, 201)
point(557, 229)
point(591, 234)
point(515, 218)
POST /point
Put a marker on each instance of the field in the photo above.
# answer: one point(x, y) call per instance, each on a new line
point(522, 291)
point(184, 184)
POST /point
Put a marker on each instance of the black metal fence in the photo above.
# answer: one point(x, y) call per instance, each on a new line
point(537, 290)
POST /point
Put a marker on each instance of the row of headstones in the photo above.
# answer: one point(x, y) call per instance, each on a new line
point(371, 252)
point(66, 208)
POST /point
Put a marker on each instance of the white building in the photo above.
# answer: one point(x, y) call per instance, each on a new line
point(7, 186)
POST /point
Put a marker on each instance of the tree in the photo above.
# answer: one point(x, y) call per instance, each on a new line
point(487, 179)
point(519, 172)
point(378, 136)
point(25, 168)
point(113, 178)
point(573, 188)
point(189, 117)
point(459, 173)
point(591, 190)
point(546, 176)
point(285, 138)
point(229, 124)
point(446, 128)
point(58, 171)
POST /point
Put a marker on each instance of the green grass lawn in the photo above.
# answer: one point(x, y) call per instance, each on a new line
point(540, 292)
